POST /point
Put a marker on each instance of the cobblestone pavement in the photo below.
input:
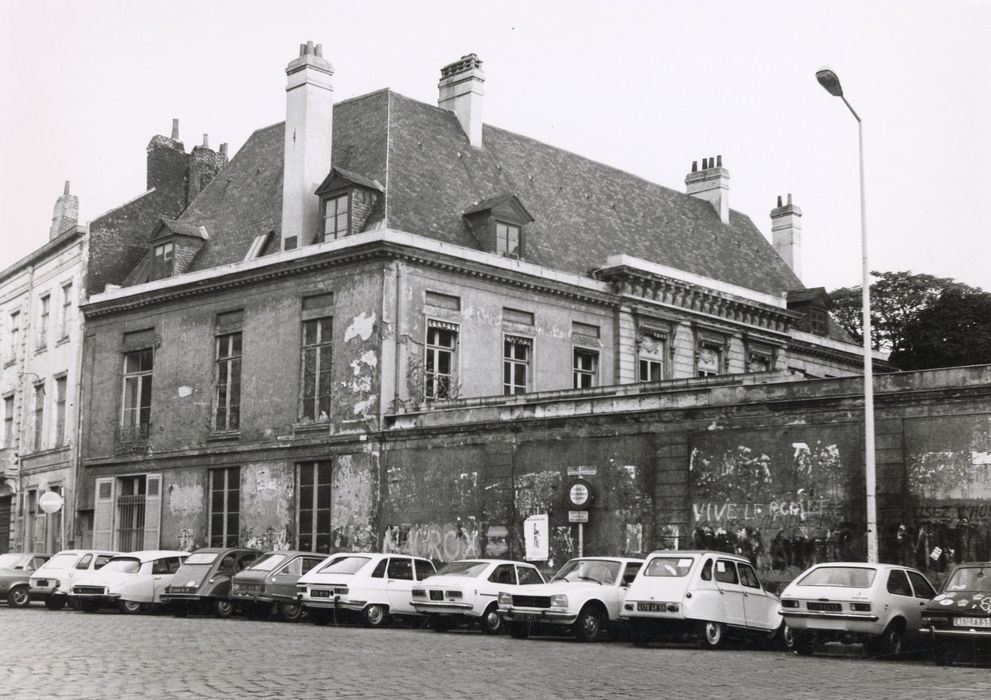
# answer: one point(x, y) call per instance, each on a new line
point(71, 654)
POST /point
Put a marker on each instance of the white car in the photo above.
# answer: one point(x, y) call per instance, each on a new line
point(713, 594)
point(130, 582)
point(467, 591)
point(53, 580)
point(585, 595)
point(374, 586)
point(877, 604)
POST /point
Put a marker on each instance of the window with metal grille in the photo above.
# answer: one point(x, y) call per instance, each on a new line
point(586, 367)
point(337, 217)
point(517, 352)
point(316, 366)
point(39, 416)
point(313, 491)
point(163, 261)
point(507, 240)
point(227, 395)
point(136, 413)
point(131, 492)
point(442, 345)
point(43, 319)
point(60, 388)
point(225, 507)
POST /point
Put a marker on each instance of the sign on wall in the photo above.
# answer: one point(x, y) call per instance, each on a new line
point(536, 536)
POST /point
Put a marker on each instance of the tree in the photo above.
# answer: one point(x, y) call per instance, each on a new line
point(954, 330)
point(897, 298)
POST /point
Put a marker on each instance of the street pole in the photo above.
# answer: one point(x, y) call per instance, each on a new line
point(829, 80)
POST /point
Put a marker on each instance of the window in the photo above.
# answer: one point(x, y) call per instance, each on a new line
point(586, 368)
point(504, 573)
point(726, 572)
point(650, 357)
point(131, 500)
point(39, 415)
point(336, 217)
point(15, 334)
point(316, 366)
point(44, 316)
point(818, 321)
point(507, 240)
point(528, 575)
point(227, 395)
point(259, 246)
point(898, 583)
point(401, 568)
point(225, 506)
point(313, 491)
point(136, 413)
point(66, 310)
point(60, 389)
point(921, 586)
point(163, 261)
point(8, 421)
point(84, 562)
point(442, 345)
point(424, 569)
point(760, 360)
point(710, 359)
point(748, 577)
point(516, 364)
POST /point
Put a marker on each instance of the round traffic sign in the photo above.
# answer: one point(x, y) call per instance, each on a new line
point(50, 502)
point(579, 494)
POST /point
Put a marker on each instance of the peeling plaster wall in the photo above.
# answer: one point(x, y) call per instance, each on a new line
point(184, 510)
point(267, 491)
point(354, 503)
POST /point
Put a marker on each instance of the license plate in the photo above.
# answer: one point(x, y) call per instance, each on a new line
point(972, 622)
point(320, 594)
point(42, 583)
point(650, 607)
point(525, 617)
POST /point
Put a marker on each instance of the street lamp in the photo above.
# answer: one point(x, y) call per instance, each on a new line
point(831, 82)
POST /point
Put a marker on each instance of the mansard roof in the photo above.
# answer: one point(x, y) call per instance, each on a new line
point(583, 211)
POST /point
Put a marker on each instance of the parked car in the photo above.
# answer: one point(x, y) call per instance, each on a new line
point(713, 594)
point(466, 592)
point(879, 605)
point(585, 596)
point(373, 586)
point(269, 584)
point(15, 572)
point(959, 618)
point(130, 582)
point(54, 579)
point(203, 582)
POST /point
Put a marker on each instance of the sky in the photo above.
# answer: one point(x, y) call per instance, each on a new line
point(646, 87)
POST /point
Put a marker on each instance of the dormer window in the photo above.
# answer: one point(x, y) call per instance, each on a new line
point(337, 216)
point(507, 240)
point(163, 260)
point(349, 202)
point(499, 225)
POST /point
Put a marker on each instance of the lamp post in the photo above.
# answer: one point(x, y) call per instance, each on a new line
point(829, 80)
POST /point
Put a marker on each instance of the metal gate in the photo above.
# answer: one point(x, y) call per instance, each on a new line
point(131, 522)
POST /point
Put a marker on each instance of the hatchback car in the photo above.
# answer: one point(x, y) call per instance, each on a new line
point(269, 584)
point(373, 586)
point(713, 594)
point(958, 620)
point(15, 573)
point(466, 592)
point(130, 582)
point(53, 581)
point(584, 597)
point(203, 582)
point(879, 605)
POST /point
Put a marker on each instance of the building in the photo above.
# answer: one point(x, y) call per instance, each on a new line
point(41, 337)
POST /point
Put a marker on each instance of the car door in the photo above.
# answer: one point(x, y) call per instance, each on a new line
point(399, 584)
point(759, 608)
point(923, 592)
point(730, 592)
point(162, 572)
point(901, 600)
point(501, 578)
point(81, 567)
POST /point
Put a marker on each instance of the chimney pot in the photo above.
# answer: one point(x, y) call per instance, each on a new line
point(711, 183)
point(175, 129)
point(319, 50)
point(66, 190)
point(695, 166)
point(719, 161)
point(206, 140)
point(779, 200)
point(789, 199)
point(223, 151)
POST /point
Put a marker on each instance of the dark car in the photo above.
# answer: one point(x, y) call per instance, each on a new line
point(15, 573)
point(958, 620)
point(269, 584)
point(203, 582)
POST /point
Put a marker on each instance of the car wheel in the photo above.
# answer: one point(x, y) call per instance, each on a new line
point(18, 597)
point(784, 637)
point(128, 607)
point(223, 608)
point(55, 602)
point(588, 626)
point(805, 643)
point(491, 622)
point(519, 630)
point(889, 644)
point(711, 635)
point(290, 612)
point(373, 616)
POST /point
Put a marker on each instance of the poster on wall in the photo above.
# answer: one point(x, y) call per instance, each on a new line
point(536, 535)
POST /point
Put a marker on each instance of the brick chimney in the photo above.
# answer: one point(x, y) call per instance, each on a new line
point(786, 234)
point(460, 91)
point(711, 183)
point(204, 164)
point(309, 136)
point(167, 168)
point(66, 213)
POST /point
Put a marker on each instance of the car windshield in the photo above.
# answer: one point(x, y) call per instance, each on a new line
point(61, 561)
point(840, 576)
point(14, 561)
point(346, 565)
point(463, 568)
point(200, 558)
point(125, 565)
point(669, 566)
point(976, 579)
point(597, 570)
point(268, 563)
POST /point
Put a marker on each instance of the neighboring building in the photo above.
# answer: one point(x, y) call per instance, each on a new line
point(41, 332)
point(373, 262)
